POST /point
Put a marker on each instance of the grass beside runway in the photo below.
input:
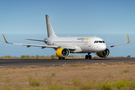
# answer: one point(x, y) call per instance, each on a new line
point(109, 76)
point(53, 57)
point(39, 57)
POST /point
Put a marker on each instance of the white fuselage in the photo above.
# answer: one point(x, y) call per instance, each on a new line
point(81, 44)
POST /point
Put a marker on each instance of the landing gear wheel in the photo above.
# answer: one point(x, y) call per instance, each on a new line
point(61, 58)
point(88, 57)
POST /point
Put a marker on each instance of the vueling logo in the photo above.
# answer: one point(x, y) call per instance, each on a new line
point(82, 38)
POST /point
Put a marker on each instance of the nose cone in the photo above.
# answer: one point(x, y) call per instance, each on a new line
point(102, 47)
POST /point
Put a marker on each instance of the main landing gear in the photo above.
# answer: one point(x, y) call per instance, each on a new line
point(88, 56)
point(61, 58)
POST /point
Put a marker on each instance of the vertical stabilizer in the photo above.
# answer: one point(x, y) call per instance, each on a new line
point(50, 30)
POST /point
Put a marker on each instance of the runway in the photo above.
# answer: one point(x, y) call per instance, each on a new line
point(56, 62)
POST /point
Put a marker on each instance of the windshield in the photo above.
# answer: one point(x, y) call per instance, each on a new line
point(99, 41)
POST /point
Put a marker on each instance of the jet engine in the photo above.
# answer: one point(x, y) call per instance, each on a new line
point(104, 53)
point(62, 52)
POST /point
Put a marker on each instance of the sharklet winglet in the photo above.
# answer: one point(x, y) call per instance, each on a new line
point(4, 38)
point(128, 39)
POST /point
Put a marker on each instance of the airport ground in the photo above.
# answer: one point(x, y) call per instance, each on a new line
point(97, 74)
point(54, 61)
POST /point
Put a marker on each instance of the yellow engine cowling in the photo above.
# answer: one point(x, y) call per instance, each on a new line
point(104, 53)
point(62, 52)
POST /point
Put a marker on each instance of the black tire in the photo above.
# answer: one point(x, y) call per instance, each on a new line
point(61, 58)
point(86, 56)
point(90, 57)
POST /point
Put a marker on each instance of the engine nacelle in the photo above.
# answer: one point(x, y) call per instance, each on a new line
point(62, 52)
point(104, 53)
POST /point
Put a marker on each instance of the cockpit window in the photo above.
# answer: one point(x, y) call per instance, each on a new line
point(99, 41)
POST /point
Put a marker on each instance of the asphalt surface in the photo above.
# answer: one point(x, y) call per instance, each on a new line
point(56, 62)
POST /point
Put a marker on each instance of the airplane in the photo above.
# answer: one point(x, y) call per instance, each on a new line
point(66, 45)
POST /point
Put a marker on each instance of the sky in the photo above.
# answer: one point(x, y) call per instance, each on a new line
point(111, 20)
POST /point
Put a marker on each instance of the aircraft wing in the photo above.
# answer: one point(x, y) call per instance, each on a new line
point(42, 46)
point(119, 44)
point(36, 40)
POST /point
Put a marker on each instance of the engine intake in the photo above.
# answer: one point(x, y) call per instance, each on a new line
point(104, 53)
point(62, 52)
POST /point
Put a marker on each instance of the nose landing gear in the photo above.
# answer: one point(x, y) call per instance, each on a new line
point(88, 56)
